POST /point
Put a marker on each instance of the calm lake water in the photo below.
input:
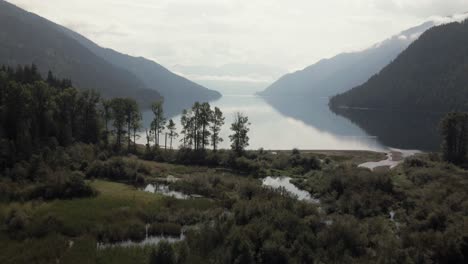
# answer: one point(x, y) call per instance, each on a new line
point(286, 123)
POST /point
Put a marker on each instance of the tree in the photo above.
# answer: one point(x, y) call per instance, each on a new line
point(136, 125)
point(163, 254)
point(196, 124)
point(37, 113)
point(65, 115)
point(239, 140)
point(41, 106)
point(204, 120)
point(149, 138)
point(159, 121)
point(87, 117)
point(454, 130)
point(132, 115)
point(118, 109)
point(187, 126)
point(171, 127)
point(106, 114)
point(217, 121)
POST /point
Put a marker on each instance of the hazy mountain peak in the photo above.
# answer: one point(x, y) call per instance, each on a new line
point(27, 38)
point(429, 75)
point(346, 70)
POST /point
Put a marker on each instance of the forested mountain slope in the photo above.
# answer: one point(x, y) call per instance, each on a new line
point(432, 74)
point(171, 86)
point(26, 38)
point(331, 76)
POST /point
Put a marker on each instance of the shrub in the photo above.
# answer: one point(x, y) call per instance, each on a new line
point(45, 225)
point(114, 169)
point(191, 157)
point(62, 185)
point(16, 221)
point(415, 162)
point(295, 151)
point(136, 231)
point(165, 229)
point(20, 171)
point(245, 165)
point(164, 253)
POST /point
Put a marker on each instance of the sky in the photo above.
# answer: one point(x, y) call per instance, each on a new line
point(256, 40)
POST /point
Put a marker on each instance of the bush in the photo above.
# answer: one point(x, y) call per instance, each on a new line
point(136, 231)
point(45, 225)
point(164, 253)
point(416, 163)
point(62, 185)
point(8, 191)
point(191, 157)
point(295, 151)
point(115, 169)
point(16, 221)
point(305, 163)
point(165, 229)
point(20, 171)
point(247, 166)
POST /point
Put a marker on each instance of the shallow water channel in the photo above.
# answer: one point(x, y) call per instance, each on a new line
point(164, 190)
point(285, 183)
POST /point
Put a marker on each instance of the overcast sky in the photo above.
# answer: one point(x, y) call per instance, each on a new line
point(284, 34)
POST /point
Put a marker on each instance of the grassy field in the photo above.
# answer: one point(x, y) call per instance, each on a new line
point(115, 203)
point(67, 231)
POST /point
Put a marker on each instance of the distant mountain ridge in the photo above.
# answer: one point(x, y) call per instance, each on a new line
point(154, 76)
point(26, 38)
point(344, 71)
point(432, 74)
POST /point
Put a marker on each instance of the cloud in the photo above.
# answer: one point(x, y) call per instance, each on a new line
point(423, 8)
point(290, 34)
point(449, 19)
point(96, 31)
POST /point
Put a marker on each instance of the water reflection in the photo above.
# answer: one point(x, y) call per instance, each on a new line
point(293, 124)
point(398, 129)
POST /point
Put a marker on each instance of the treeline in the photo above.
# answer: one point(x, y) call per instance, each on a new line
point(41, 117)
point(37, 113)
point(429, 75)
point(200, 130)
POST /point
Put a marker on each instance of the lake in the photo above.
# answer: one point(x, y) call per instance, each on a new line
point(286, 123)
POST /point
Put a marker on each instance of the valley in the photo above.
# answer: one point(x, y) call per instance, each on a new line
point(107, 156)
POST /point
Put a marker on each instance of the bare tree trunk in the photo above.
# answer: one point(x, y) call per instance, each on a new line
point(129, 134)
point(147, 139)
point(165, 142)
point(203, 137)
point(134, 140)
point(155, 135)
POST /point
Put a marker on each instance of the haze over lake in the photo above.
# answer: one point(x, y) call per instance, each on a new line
point(286, 123)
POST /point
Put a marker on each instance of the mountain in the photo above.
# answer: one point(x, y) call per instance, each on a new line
point(344, 71)
point(234, 78)
point(26, 38)
point(174, 88)
point(432, 74)
point(391, 126)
